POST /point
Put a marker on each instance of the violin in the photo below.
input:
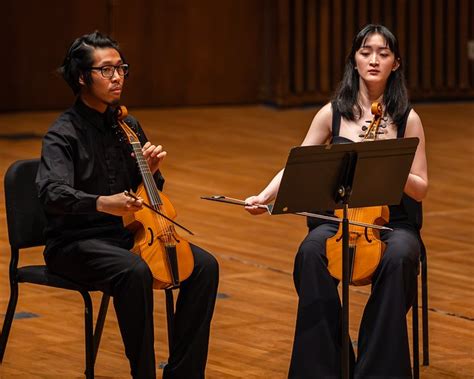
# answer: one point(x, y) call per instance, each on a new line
point(168, 255)
point(365, 247)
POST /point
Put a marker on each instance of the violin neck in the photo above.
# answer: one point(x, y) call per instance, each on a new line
point(371, 134)
point(147, 176)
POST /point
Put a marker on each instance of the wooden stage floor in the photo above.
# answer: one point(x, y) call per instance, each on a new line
point(235, 151)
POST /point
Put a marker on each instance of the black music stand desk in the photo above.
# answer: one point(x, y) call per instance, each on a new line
point(326, 177)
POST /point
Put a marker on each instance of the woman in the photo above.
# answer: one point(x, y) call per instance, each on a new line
point(373, 73)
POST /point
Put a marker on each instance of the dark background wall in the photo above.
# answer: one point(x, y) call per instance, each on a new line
point(311, 39)
point(195, 52)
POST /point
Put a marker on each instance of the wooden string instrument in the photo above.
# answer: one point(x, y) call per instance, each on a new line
point(365, 247)
point(168, 255)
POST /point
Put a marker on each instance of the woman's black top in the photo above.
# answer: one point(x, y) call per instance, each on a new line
point(407, 214)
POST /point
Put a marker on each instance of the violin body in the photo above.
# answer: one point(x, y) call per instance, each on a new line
point(365, 247)
point(158, 243)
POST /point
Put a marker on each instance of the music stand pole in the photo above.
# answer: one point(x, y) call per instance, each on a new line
point(345, 294)
point(343, 195)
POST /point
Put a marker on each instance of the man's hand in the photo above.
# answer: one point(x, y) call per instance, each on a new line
point(118, 204)
point(153, 155)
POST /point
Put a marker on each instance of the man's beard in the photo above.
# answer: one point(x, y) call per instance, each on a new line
point(114, 103)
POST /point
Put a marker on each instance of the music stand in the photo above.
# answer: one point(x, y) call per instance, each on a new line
point(326, 177)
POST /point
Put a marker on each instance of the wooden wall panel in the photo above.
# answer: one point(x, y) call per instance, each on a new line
point(400, 17)
point(298, 23)
point(181, 52)
point(311, 54)
point(338, 55)
point(187, 52)
point(193, 53)
point(438, 44)
point(132, 27)
point(37, 35)
point(414, 32)
point(324, 46)
point(426, 45)
point(466, 28)
point(452, 46)
point(350, 20)
point(433, 37)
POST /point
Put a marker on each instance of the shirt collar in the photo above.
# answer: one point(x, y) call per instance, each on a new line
point(102, 121)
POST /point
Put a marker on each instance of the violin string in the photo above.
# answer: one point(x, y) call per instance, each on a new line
point(148, 180)
point(167, 226)
point(154, 196)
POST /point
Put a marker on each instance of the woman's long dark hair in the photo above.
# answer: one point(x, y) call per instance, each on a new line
point(395, 96)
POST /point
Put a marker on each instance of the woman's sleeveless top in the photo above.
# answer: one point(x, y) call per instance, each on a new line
point(407, 214)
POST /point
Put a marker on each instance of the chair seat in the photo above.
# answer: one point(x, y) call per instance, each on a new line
point(39, 274)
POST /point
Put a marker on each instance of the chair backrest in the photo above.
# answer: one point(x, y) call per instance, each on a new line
point(25, 216)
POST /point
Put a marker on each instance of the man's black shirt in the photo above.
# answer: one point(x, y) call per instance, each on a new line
point(85, 155)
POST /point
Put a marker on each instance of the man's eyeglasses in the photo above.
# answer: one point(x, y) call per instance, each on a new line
point(108, 71)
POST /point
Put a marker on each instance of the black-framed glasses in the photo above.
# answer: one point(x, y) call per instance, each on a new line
point(108, 71)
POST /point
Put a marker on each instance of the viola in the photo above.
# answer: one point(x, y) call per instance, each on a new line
point(365, 247)
point(156, 240)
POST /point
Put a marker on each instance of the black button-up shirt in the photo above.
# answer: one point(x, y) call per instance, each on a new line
point(85, 155)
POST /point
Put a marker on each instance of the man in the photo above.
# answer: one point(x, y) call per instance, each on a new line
point(86, 164)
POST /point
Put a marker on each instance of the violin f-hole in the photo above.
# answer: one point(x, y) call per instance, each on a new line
point(367, 235)
point(152, 237)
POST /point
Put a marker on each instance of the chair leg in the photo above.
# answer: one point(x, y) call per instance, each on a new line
point(424, 307)
point(99, 325)
point(7, 323)
point(89, 337)
point(170, 316)
point(415, 347)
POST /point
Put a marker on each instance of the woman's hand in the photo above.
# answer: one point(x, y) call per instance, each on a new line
point(153, 155)
point(254, 201)
point(118, 204)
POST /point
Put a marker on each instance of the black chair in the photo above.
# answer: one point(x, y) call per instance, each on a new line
point(26, 222)
point(415, 210)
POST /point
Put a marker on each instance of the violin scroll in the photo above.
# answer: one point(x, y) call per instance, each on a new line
point(376, 109)
point(122, 112)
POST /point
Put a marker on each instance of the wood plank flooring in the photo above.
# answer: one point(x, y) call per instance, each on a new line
point(235, 151)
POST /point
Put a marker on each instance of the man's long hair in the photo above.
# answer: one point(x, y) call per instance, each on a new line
point(79, 58)
point(395, 97)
